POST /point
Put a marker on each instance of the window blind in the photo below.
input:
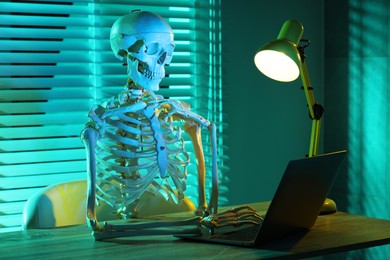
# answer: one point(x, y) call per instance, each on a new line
point(56, 61)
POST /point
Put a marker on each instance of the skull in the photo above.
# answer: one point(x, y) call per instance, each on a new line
point(144, 41)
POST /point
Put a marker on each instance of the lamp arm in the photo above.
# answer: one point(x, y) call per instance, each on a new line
point(315, 110)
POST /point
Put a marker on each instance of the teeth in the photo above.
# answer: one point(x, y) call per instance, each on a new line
point(151, 75)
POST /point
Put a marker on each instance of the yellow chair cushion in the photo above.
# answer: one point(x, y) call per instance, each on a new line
point(64, 204)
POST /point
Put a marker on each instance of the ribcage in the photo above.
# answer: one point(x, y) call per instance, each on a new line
point(137, 153)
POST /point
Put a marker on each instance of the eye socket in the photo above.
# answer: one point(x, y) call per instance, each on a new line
point(162, 58)
point(136, 46)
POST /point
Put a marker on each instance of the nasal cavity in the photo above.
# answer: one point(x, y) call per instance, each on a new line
point(162, 58)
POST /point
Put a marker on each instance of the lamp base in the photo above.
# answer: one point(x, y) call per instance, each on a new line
point(329, 207)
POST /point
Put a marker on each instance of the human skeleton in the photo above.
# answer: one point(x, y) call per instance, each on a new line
point(133, 141)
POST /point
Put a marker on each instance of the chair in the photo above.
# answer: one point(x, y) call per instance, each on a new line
point(64, 204)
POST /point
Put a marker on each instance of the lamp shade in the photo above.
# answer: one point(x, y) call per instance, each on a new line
point(280, 59)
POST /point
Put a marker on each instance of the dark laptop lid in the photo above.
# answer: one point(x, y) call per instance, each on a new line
point(300, 196)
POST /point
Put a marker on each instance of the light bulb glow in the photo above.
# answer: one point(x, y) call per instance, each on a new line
point(276, 65)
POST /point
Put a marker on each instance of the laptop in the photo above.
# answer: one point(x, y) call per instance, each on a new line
point(295, 206)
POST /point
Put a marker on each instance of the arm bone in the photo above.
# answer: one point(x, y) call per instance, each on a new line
point(213, 205)
point(194, 131)
point(89, 137)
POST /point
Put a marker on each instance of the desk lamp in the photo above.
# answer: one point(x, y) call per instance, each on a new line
point(284, 60)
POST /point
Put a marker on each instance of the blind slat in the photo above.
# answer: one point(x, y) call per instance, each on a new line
point(40, 156)
point(40, 144)
point(46, 119)
point(46, 8)
point(10, 220)
point(64, 56)
point(45, 131)
point(44, 44)
point(42, 107)
point(82, 33)
point(11, 208)
point(108, 4)
point(43, 180)
point(36, 169)
point(17, 195)
point(37, 94)
point(80, 69)
point(177, 9)
point(45, 20)
point(63, 81)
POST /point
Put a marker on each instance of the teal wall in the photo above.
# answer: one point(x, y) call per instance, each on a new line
point(268, 121)
point(357, 94)
point(357, 99)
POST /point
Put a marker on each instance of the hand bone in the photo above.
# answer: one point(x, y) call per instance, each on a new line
point(232, 217)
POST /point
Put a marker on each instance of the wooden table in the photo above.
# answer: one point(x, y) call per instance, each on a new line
point(331, 234)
